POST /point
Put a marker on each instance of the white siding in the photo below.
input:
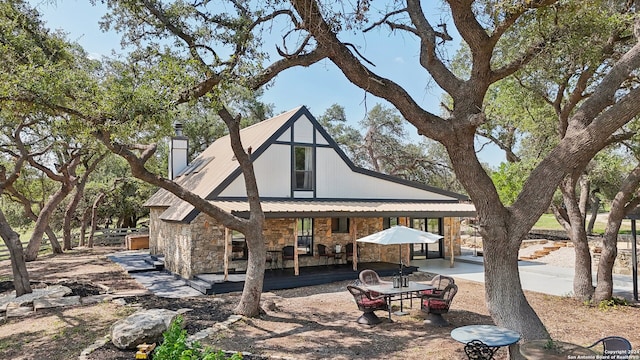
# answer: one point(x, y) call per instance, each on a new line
point(273, 173)
point(303, 194)
point(303, 131)
point(320, 139)
point(336, 180)
point(286, 136)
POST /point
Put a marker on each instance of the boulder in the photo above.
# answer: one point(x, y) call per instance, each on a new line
point(144, 326)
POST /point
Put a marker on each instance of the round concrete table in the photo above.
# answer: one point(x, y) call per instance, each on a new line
point(553, 350)
point(492, 336)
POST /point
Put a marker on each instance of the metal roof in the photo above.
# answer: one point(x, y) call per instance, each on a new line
point(215, 166)
point(219, 161)
point(279, 209)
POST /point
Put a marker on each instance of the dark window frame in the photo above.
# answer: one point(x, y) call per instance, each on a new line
point(387, 222)
point(340, 225)
point(304, 236)
point(304, 175)
point(241, 246)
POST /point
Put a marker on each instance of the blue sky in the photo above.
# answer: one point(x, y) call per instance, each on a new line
point(317, 87)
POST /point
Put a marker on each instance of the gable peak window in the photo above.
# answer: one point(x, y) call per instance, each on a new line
point(303, 167)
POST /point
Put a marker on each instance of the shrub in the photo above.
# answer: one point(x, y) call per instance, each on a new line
point(176, 347)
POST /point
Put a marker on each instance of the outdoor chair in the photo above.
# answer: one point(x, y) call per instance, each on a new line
point(370, 277)
point(477, 350)
point(368, 304)
point(439, 283)
point(322, 252)
point(436, 306)
point(287, 253)
point(349, 251)
point(613, 343)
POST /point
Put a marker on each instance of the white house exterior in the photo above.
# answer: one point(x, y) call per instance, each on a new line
point(311, 194)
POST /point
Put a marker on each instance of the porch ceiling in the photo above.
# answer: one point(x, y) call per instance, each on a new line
point(287, 209)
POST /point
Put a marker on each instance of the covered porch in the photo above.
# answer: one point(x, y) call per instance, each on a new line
point(277, 279)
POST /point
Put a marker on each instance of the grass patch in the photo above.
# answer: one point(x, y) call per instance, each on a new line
point(549, 222)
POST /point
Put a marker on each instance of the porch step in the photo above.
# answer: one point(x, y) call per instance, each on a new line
point(201, 285)
point(157, 264)
point(132, 263)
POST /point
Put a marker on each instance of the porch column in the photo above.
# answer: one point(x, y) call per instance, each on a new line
point(296, 269)
point(451, 241)
point(227, 240)
point(354, 237)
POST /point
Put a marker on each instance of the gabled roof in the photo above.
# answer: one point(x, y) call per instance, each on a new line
point(218, 162)
point(215, 168)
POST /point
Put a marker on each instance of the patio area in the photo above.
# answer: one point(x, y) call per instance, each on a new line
point(141, 264)
point(278, 279)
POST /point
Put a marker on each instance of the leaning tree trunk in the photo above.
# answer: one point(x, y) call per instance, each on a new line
point(625, 200)
point(94, 217)
point(43, 221)
point(583, 276)
point(83, 227)
point(595, 206)
point(18, 264)
point(53, 240)
point(69, 213)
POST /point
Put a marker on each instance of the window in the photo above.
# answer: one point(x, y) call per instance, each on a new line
point(305, 236)
point(340, 225)
point(239, 250)
point(427, 251)
point(303, 166)
point(389, 222)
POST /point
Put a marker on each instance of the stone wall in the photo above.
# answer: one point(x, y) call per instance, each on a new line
point(622, 264)
point(207, 245)
point(198, 247)
point(156, 238)
point(176, 249)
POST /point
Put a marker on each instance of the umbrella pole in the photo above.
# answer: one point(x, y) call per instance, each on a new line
point(400, 262)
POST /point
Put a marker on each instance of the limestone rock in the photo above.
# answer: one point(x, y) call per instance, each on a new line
point(27, 299)
point(46, 303)
point(145, 326)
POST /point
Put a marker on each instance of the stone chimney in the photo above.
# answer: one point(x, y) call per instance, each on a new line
point(178, 152)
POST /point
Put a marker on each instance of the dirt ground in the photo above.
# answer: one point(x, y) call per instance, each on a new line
point(306, 323)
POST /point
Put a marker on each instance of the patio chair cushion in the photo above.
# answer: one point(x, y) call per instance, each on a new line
point(436, 304)
point(434, 292)
point(372, 303)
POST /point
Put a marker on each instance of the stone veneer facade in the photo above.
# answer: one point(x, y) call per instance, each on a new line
point(198, 247)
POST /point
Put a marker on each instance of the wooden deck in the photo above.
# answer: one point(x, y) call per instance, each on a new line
point(285, 279)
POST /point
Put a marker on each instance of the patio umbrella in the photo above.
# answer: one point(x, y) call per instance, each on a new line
point(399, 235)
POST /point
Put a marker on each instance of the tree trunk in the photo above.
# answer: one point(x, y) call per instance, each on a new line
point(94, 217)
point(53, 240)
point(18, 265)
point(502, 236)
point(625, 200)
point(43, 221)
point(583, 276)
point(69, 215)
point(249, 304)
point(86, 216)
point(595, 206)
point(505, 299)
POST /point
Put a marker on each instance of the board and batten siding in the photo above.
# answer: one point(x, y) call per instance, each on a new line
point(273, 174)
point(335, 179)
point(303, 131)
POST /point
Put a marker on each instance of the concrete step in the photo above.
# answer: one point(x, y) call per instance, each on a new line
point(157, 264)
point(200, 285)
